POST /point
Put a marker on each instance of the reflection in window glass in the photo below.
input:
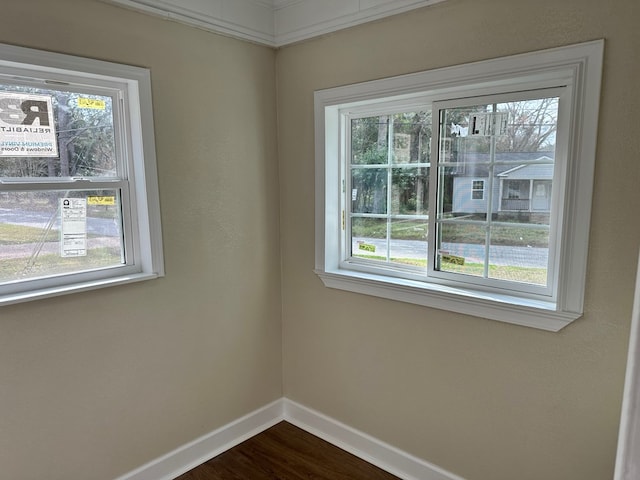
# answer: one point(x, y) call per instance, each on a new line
point(369, 190)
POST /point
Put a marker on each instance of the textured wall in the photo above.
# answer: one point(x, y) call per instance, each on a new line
point(93, 385)
point(486, 400)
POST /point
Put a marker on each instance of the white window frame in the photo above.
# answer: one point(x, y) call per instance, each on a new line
point(576, 68)
point(140, 197)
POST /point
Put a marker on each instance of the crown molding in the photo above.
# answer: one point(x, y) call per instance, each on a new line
point(250, 20)
point(275, 23)
point(297, 20)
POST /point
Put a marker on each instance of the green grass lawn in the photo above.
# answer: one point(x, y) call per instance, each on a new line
point(534, 276)
point(47, 264)
point(512, 235)
point(50, 264)
point(18, 234)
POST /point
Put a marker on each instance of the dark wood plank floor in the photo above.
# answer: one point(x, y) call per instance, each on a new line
point(285, 452)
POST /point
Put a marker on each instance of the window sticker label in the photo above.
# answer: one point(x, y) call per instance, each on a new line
point(111, 200)
point(367, 247)
point(454, 259)
point(73, 216)
point(26, 126)
point(91, 103)
point(488, 124)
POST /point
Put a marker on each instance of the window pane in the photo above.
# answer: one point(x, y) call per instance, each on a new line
point(519, 253)
point(79, 142)
point(467, 153)
point(410, 191)
point(408, 245)
point(411, 137)
point(405, 245)
point(370, 140)
point(47, 233)
point(462, 248)
point(530, 126)
point(369, 190)
point(461, 196)
point(369, 237)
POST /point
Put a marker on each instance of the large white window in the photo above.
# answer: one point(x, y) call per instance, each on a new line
point(466, 188)
point(79, 202)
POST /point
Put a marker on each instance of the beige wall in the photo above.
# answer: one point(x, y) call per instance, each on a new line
point(93, 385)
point(486, 400)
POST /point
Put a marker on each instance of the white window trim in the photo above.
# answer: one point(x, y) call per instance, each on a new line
point(145, 207)
point(579, 66)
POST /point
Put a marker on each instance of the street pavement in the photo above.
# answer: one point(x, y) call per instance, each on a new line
point(102, 227)
point(498, 254)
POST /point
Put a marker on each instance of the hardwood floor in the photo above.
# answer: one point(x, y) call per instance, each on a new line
point(285, 452)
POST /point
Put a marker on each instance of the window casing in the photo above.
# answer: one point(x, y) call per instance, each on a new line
point(368, 198)
point(80, 206)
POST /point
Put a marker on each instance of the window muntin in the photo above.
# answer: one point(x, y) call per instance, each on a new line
point(85, 213)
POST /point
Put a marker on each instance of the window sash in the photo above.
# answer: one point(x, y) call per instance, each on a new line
point(119, 182)
point(129, 254)
point(559, 174)
point(66, 83)
point(348, 259)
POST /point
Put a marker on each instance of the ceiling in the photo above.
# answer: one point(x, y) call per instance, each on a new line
point(273, 22)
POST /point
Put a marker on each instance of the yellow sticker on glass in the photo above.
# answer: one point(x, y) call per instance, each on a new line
point(101, 200)
point(91, 103)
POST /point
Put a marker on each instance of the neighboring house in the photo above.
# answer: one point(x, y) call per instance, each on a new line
point(521, 182)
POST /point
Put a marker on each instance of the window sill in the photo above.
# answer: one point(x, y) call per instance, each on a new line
point(10, 299)
point(499, 307)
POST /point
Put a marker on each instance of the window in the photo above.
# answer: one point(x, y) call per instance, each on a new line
point(477, 190)
point(79, 203)
point(466, 188)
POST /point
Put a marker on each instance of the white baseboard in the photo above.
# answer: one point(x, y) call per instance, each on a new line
point(194, 453)
point(370, 449)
